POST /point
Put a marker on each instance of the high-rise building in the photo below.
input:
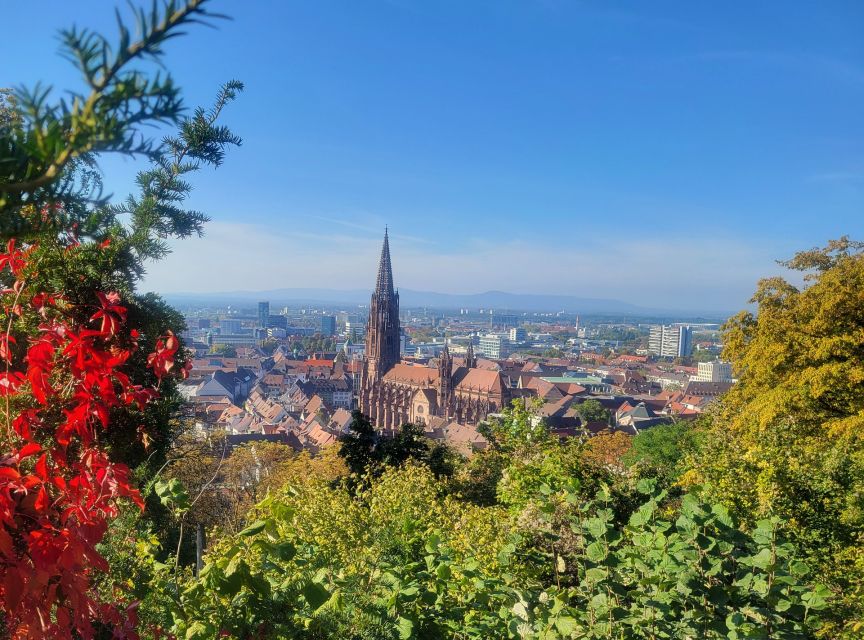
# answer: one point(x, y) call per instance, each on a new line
point(263, 313)
point(382, 329)
point(518, 334)
point(670, 341)
point(495, 346)
point(717, 371)
point(328, 325)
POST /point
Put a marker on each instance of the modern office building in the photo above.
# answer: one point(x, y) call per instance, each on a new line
point(229, 326)
point(518, 334)
point(277, 322)
point(263, 313)
point(494, 346)
point(670, 341)
point(328, 325)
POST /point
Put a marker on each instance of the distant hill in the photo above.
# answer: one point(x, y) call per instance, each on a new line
point(498, 300)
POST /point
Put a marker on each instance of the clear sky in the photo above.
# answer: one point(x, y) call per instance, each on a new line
point(663, 153)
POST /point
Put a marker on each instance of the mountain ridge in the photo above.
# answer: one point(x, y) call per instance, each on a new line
point(499, 301)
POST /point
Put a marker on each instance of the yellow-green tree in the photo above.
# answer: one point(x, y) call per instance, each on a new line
point(788, 439)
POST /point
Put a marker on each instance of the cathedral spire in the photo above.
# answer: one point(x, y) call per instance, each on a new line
point(470, 358)
point(384, 284)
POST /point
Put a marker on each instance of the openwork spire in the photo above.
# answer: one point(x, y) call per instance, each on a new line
point(384, 284)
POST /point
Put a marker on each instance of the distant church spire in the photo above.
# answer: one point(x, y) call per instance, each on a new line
point(384, 284)
point(470, 358)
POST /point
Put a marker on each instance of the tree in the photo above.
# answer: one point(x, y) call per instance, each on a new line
point(268, 346)
point(554, 352)
point(664, 449)
point(59, 490)
point(609, 450)
point(224, 350)
point(367, 451)
point(593, 411)
point(788, 439)
point(71, 266)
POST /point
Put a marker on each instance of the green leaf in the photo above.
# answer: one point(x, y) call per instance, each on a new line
point(595, 551)
point(596, 527)
point(443, 572)
point(196, 630)
point(286, 550)
point(566, 625)
point(316, 594)
point(405, 627)
point(646, 486)
point(763, 559)
point(254, 528)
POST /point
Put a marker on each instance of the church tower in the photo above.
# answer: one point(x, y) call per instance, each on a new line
point(445, 381)
point(382, 332)
point(470, 358)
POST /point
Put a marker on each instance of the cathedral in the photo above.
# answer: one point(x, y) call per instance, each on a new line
point(393, 393)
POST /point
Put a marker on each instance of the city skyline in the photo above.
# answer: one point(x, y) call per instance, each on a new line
point(655, 156)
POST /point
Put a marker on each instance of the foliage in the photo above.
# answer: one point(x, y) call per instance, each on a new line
point(401, 561)
point(268, 346)
point(318, 343)
point(225, 350)
point(609, 450)
point(119, 101)
point(663, 451)
point(788, 439)
point(593, 411)
point(87, 397)
point(366, 451)
point(58, 487)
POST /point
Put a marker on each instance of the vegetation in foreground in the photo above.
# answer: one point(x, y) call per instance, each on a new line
point(746, 525)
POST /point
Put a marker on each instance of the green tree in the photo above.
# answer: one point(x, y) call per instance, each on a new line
point(365, 450)
point(788, 439)
point(224, 350)
point(592, 410)
point(50, 185)
point(664, 449)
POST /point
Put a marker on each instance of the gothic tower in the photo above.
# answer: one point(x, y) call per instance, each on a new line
point(445, 381)
point(470, 358)
point(382, 333)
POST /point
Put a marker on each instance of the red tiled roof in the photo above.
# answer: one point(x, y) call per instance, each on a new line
point(409, 374)
point(483, 380)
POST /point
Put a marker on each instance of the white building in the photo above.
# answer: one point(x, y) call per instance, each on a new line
point(494, 346)
point(670, 341)
point(717, 371)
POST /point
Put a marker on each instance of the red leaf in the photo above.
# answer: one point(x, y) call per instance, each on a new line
point(9, 473)
point(41, 468)
point(13, 586)
point(42, 500)
point(28, 450)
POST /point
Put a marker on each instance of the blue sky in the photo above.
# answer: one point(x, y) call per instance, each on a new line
point(664, 153)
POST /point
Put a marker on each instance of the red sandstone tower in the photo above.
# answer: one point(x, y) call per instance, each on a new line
point(382, 334)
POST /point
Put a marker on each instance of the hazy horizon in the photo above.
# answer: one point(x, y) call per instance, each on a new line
point(665, 156)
